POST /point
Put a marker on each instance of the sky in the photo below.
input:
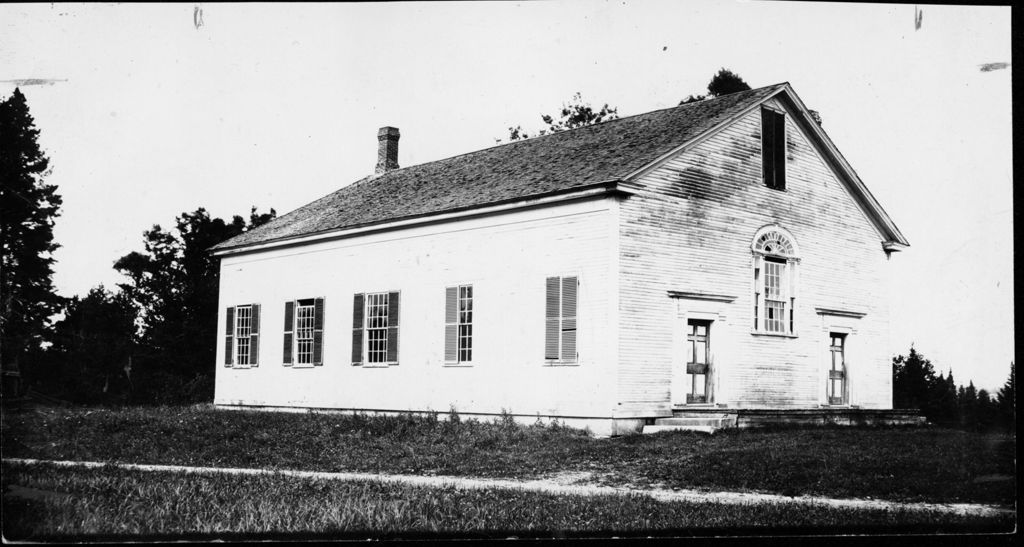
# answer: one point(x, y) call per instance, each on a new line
point(150, 110)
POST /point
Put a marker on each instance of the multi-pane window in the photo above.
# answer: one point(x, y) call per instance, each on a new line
point(243, 329)
point(305, 321)
point(560, 319)
point(774, 297)
point(774, 282)
point(303, 332)
point(837, 372)
point(458, 324)
point(241, 336)
point(698, 360)
point(377, 328)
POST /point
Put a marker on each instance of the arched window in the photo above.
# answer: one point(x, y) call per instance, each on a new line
point(775, 281)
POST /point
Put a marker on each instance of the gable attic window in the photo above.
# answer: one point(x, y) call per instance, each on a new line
point(773, 148)
point(775, 282)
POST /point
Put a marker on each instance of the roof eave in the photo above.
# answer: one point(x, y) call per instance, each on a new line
point(881, 218)
point(605, 188)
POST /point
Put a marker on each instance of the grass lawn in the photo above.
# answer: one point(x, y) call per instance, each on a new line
point(76, 504)
point(906, 464)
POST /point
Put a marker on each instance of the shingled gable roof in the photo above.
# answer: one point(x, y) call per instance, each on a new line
point(565, 161)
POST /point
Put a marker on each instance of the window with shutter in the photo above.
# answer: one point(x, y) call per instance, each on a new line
point(229, 332)
point(243, 328)
point(254, 336)
point(357, 329)
point(773, 148)
point(305, 331)
point(560, 301)
point(458, 324)
point(378, 338)
point(289, 326)
point(318, 331)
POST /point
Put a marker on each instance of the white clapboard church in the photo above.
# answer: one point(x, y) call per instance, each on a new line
point(720, 258)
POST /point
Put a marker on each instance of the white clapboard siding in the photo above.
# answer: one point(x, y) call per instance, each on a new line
point(506, 258)
point(690, 229)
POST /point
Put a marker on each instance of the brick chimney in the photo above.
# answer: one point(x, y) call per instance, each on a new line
point(387, 149)
point(814, 114)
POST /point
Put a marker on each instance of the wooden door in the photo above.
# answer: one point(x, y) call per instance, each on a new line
point(837, 371)
point(698, 363)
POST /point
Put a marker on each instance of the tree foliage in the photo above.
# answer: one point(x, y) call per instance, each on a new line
point(173, 284)
point(915, 385)
point(723, 82)
point(28, 207)
point(90, 360)
point(1006, 401)
point(575, 113)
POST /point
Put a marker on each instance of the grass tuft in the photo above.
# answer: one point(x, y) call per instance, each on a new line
point(909, 464)
point(119, 504)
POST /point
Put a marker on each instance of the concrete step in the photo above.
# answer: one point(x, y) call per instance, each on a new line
point(659, 428)
point(714, 421)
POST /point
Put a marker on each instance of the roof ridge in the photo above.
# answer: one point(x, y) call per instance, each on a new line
point(539, 164)
point(554, 133)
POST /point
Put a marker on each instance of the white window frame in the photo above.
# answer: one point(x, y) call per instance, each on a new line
point(243, 333)
point(378, 300)
point(298, 327)
point(774, 245)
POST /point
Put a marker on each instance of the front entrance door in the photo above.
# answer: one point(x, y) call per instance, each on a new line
point(698, 340)
point(837, 372)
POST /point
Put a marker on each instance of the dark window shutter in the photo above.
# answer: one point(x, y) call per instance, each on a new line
point(768, 146)
point(254, 337)
point(780, 151)
point(551, 315)
point(451, 324)
point(318, 332)
point(289, 312)
point(357, 329)
point(229, 332)
point(569, 291)
point(393, 309)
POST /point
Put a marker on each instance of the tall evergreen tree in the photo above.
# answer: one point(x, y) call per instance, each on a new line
point(913, 377)
point(1006, 401)
point(28, 207)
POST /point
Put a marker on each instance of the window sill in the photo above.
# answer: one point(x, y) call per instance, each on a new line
point(375, 365)
point(303, 365)
point(242, 367)
point(459, 364)
point(560, 363)
point(773, 334)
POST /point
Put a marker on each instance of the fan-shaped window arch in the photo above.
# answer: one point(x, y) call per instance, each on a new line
point(776, 258)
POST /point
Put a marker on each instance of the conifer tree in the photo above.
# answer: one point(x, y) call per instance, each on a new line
point(1005, 402)
point(28, 207)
